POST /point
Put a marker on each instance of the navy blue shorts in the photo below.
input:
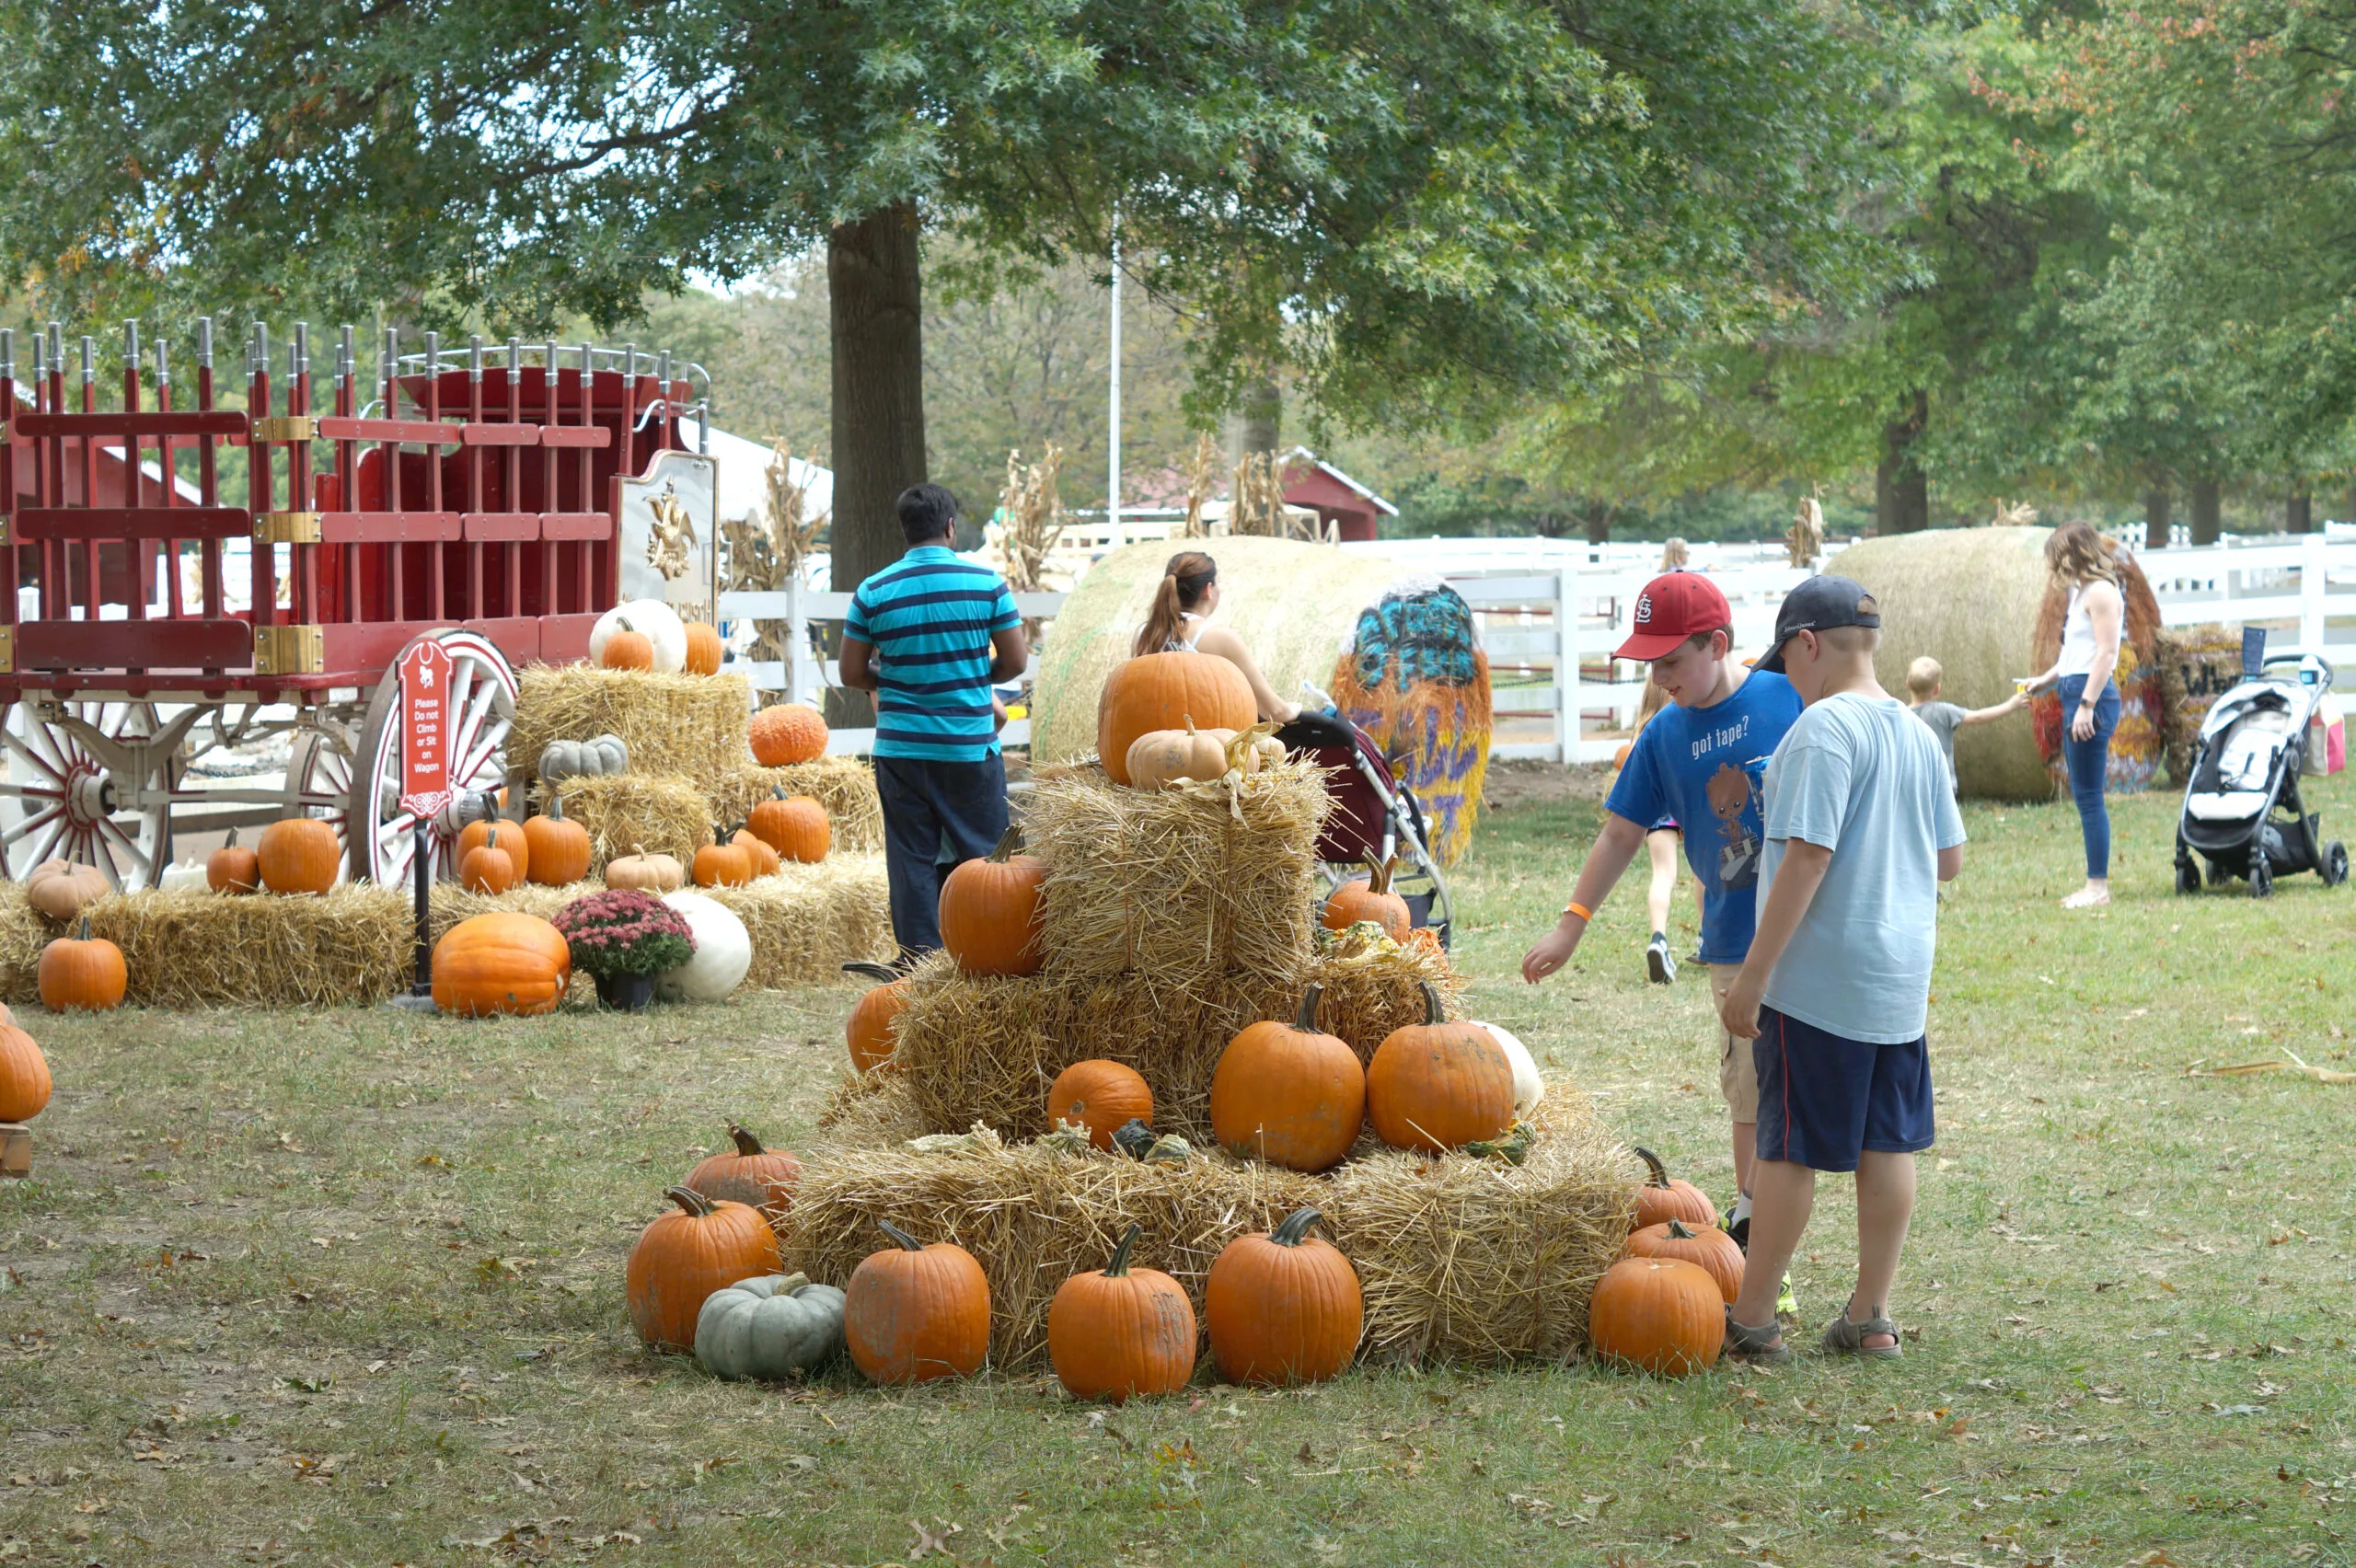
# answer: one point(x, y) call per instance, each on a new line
point(1823, 1099)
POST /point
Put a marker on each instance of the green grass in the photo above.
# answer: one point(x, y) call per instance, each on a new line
point(345, 1287)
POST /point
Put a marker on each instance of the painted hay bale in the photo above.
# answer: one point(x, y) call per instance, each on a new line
point(844, 785)
point(807, 921)
point(1294, 605)
point(694, 725)
point(985, 1048)
point(1180, 887)
point(624, 813)
point(353, 944)
point(2198, 665)
point(1461, 1259)
point(1414, 678)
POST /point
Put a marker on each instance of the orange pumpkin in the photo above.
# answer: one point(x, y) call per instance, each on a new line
point(786, 734)
point(476, 833)
point(1660, 1315)
point(912, 1312)
point(1101, 1096)
point(488, 867)
point(1288, 1095)
point(762, 859)
point(1369, 900)
point(628, 648)
point(761, 1178)
point(1437, 1085)
point(722, 864)
point(233, 868)
point(793, 825)
point(683, 1257)
point(24, 1076)
point(704, 650)
point(83, 972)
point(556, 848)
point(1283, 1306)
point(1706, 1247)
point(1121, 1332)
point(298, 855)
point(1168, 691)
point(869, 1029)
point(642, 872)
point(500, 962)
point(989, 911)
point(1660, 1200)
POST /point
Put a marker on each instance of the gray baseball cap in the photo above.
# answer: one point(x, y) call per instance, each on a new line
point(1819, 605)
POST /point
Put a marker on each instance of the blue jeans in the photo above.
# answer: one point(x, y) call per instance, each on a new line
point(936, 814)
point(2089, 765)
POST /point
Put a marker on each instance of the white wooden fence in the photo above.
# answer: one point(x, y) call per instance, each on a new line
point(1552, 611)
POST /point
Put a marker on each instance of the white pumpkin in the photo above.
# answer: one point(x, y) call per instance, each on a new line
point(600, 757)
point(723, 950)
point(770, 1327)
point(184, 873)
point(658, 620)
point(1529, 1089)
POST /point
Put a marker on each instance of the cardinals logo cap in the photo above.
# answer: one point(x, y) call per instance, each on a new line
point(1674, 606)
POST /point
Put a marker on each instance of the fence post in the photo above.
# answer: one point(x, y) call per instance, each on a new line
point(1566, 665)
point(797, 643)
point(2313, 579)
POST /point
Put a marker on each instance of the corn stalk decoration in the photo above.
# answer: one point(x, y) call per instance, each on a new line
point(1030, 512)
point(766, 553)
point(1201, 475)
point(1805, 542)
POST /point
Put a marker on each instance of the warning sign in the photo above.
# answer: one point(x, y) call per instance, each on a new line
point(425, 727)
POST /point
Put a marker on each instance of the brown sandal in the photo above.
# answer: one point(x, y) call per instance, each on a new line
point(1843, 1337)
point(1762, 1345)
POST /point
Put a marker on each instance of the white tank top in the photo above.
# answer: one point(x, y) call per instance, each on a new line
point(2078, 644)
point(1191, 625)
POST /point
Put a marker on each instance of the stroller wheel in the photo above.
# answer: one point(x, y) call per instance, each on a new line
point(2335, 863)
point(2261, 875)
point(2188, 877)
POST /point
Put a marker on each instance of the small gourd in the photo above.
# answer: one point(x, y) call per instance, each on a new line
point(770, 1327)
point(183, 876)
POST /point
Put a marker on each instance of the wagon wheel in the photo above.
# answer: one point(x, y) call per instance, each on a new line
point(91, 781)
point(481, 703)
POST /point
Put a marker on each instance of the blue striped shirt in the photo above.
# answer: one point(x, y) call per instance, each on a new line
point(930, 619)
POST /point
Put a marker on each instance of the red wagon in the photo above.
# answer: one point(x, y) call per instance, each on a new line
point(470, 496)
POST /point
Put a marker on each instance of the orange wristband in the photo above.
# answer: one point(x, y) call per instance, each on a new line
point(1581, 910)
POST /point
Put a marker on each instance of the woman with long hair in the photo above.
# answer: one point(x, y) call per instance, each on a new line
point(1183, 606)
point(2080, 561)
point(1674, 556)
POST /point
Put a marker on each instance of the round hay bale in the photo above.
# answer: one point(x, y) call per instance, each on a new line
point(1980, 602)
point(1294, 605)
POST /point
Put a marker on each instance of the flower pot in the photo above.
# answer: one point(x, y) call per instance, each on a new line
point(625, 993)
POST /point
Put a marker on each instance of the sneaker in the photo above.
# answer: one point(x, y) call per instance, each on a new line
point(1662, 967)
point(1787, 1304)
point(1737, 1228)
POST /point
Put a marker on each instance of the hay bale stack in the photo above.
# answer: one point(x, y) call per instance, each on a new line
point(190, 949)
point(844, 785)
point(806, 922)
point(694, 725)
point(985, 1048)
point(1184, 888)
point(1460, 1258)
point(24, 931)
point(448, 902)
point(1294, 605)
point(627, 812)
point(869, 1110)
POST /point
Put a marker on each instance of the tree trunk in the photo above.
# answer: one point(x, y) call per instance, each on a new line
point(1902, 493)
point(1263, 410)
point(2208, 501)
point(2299, 513)
point(1598, 522)
point(875, 292)
point(2159, 514)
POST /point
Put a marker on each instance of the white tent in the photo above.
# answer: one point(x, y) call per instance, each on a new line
point(744, 474)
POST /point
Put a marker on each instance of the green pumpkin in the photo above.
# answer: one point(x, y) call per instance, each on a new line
point(769, 1327)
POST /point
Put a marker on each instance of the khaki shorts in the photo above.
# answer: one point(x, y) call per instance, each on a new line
point(1737, 1068)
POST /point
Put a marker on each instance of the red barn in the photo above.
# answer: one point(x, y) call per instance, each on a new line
point(1339, 500)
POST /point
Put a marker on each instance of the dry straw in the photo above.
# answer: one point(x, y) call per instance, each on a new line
point(864, 1110)
point(844, 785)
point(694, 725)
point(806, 922)
point(190, 949)
point(1460, 1259)
point(627, 812)
point(985, 1049)
point(1183, 888)
point(23, 933)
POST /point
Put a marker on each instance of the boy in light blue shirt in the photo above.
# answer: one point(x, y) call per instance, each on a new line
point(1861, 827)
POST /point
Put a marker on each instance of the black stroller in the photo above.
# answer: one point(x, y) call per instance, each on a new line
point(2245, 766)
point(1375, 817)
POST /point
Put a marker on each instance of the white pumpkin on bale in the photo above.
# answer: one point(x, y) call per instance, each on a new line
point(723, 950)
point(601, 756)
point(1529, 1089)
point(1159, 758)
point(657, 621)
point(188, 873)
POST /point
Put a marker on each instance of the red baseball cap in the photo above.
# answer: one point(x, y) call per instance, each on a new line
point(1674, 606)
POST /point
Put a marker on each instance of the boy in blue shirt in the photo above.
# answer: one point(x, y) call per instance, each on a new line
point(1698, 761)
point(1860, 829)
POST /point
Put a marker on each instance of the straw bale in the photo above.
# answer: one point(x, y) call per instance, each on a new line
point(1294, 605)
point(694, 725)
point(985, 1048)
point(866, 1110)
point(664, 814)
point(806, 922)
point(448, 902)
point(844, 785)
point(1178, 887)
point(1460, 1258)
point(24, 931)
point(2198, 665)
point(189, 948)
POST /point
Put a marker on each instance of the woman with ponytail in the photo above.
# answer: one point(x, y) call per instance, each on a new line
point(2080, 561)
point(1182, 603)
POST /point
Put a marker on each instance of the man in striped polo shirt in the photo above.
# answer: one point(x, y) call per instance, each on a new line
point(927, 636)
